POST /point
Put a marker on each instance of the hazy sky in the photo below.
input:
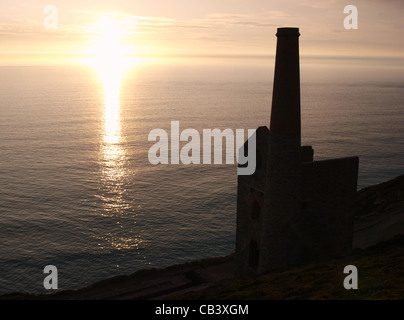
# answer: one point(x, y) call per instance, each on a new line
point(208, 27)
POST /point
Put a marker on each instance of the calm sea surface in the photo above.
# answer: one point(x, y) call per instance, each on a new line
point(77, 190)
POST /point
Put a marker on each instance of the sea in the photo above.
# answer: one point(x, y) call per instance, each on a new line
point(77, 189)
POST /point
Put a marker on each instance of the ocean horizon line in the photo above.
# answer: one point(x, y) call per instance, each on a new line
point(60, 59)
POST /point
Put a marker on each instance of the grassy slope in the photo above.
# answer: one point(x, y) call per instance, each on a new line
point(381, 198)
point(380, 269)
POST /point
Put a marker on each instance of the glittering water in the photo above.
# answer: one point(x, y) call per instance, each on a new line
point(77, 189)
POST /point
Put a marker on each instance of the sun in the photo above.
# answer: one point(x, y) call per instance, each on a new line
point(108, 43)
point(109, 49)
point(110, 57)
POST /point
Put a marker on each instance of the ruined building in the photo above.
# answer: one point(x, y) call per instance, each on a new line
point(292, 210)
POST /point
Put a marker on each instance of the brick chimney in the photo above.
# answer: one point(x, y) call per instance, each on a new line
point(285, 114)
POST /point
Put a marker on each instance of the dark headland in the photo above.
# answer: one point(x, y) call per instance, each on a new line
point(378, 254)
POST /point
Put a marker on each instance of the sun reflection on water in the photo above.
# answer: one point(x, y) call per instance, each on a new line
point(115, 174)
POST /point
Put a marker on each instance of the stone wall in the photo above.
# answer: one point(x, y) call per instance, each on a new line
point(250, 202)
point(280, 230)
point(327, 215)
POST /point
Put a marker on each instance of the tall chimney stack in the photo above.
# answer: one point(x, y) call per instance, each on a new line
point(280, 231)
point(285, 114)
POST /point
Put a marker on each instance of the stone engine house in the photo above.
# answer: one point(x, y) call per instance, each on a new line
point(292, 210)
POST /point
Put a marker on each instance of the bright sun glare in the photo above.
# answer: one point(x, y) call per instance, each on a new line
point(110, 59)
point(109, 48)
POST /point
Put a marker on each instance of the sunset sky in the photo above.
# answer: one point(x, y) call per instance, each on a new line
point(195, 28)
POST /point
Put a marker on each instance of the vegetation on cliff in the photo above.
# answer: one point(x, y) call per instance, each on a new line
point(380, 276)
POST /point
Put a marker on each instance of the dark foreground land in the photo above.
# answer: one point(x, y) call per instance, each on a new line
point(380, 271)
point(379, 258)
